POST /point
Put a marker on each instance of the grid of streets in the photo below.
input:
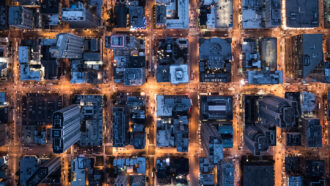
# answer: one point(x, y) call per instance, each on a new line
point(16, 89)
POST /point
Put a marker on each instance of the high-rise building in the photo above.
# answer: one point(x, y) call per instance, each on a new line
point(79, 17)
point(255, 140)
point(277, 111)
point(66, 128)
point(68, 46)
point(21, 17)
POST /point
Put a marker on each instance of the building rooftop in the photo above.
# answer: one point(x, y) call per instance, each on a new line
point(177, 13)
point(206, 179)
point(171, 105)
point(315, 168)
point(258, 173)
point(261, 14)
point(136, 165)
point(92, 120)
point(216, 108)
point(313, 132)
point(303, 13)
point(265, 77)
point(308, 104)
point(226, 133)
point(312, 54)
point(215, 60)
point(217, 14)
point(28, 166)
point(226, 173)
point(136, 15)
point(179, 74)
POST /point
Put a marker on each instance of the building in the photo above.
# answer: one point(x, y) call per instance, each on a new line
point(83, 170)
point(278, 111)
point(211, 143)
point(120, 127)
point(92, 120)
point(129, 121)
point(66, 128)
point(226, 133)
point(293, 139)
point(255, 140)
point(28, 165)
point(38, 109)
point(261, 14)
point(206, 179)
point(226, 173)
point(306, 61)
point(308, 104)
point(121, 180)
point(313, 132)
point(170, 106)
point(177, 13)
point(172, 170)
point(315, 168)
point(258, 172)
point(21, 17)
point(30, 68)
point(272, 13)
point(137, 180)
point(3, 17)
point(295, 181)
point(215, 60)
point(44, 170)
point(216, 14)
point(216, 108)
point(179, 74)
point(68, 46)
point(265, 77)
point(160, 15)
point(302, 13)
point(135, 165)
point(3, 108)
point(79, 17)
point(172, 60)
point(173, 122)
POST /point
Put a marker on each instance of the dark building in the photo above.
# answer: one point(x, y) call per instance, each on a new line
point(277, 111)
point(272, 13)
point(313, 132)
point(226, 173)
point(49, 6)
point(216, 108)
point(66, 128)
point(315, 168)
point(120, 127)
point(251, 111)
point(121, 12)
point(3, 17)
point(304, 13)
point(293, 139)
point(258, 173)
point(293, 165)
point(21, 17)
point(38, 109)
point(255, 140)
point(44, 171)
point(306, 57)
